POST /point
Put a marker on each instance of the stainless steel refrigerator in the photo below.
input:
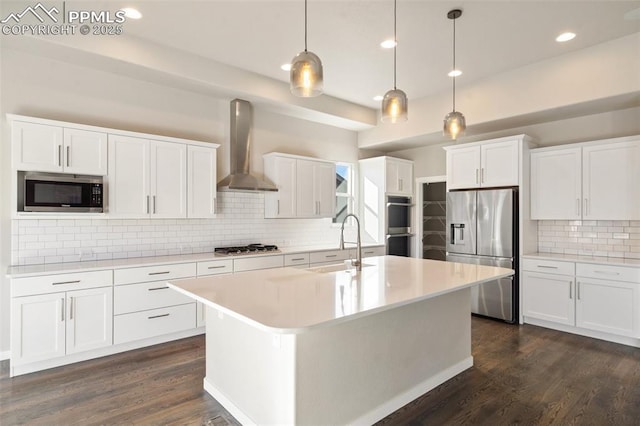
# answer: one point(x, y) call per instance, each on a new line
point(482, 228)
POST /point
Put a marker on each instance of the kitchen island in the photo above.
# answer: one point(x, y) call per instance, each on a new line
point(329, 346)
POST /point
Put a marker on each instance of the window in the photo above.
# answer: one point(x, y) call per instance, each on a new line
point(344, 191)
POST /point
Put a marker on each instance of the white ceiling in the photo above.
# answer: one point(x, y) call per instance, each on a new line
point(492, 36)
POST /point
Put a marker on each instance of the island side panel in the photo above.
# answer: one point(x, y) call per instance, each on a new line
point(250, 371)
point(359, 371)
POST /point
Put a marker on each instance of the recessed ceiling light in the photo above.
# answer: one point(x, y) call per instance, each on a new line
point(454, 73)
point(378, 98)
point(285, 67)
point(565, 37)
point(132, 13)
point(388, 44)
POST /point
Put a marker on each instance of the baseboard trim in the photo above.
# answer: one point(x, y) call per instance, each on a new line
point(629, 341)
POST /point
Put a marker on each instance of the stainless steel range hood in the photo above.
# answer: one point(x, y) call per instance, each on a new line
point(240, 178)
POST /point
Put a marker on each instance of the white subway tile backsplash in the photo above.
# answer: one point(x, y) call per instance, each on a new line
point(609, 238)
point(240, 221)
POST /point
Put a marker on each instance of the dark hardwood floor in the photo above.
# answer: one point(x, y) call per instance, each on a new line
point(522, 375)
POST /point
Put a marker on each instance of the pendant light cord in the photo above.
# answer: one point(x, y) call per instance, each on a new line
point(305, 25)
point(395, 41)
point(454, 64)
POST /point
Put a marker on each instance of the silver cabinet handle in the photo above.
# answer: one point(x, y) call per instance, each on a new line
point(71, 308)
point(585, 210)
point(607, 272)
point(158, 288)
point(578, 290)
point(60, 155)
point(570, 286)
point(66, 282)
point(158, 316)
point(547, 267)
point(159, 273)
point(331, 255)
point(68, 161)
point(154, 204)
point(278, 207)
point(297, 259)
point(577, 206)
point(62, 309)
point(369, 252)
point(147, 204)
point(216, 267)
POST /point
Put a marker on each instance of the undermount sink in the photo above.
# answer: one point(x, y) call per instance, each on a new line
point(337, 267)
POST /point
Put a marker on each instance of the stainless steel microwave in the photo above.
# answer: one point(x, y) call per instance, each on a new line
point(56, 192)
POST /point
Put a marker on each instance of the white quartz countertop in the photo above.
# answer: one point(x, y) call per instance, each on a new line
point(24, 271)
point(584, 259)
point(290, 300)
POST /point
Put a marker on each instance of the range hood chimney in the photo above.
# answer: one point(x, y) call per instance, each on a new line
point(240, 178)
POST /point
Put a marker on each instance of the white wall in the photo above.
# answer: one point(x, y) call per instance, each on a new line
point(49, 88)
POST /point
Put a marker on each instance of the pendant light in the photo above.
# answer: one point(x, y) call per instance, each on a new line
point(394, 103)
point(306, 70)
point(454, 122)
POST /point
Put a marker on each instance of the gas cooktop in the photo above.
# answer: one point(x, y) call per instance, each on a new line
point(248, 249)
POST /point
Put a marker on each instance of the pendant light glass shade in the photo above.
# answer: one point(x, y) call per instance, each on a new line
point(306, 79)
point(306, 75)
point(394, 106)
point(454, 123)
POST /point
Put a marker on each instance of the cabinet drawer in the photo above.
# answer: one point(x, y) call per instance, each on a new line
point(608, 272)
point(548, 266)
point(60, 282)
point(329, 256)
point(144, 296)
point(251, 264)
point(155, 322)
point(215, 267)
point(154, 273)
point(298, 259)
point(373, 251)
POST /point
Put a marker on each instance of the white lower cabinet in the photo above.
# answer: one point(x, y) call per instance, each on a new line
point(47, 326)
point(598, 298)
point(154, 322)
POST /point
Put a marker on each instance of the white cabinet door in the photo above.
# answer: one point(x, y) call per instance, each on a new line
point(463, 168)
point(282, 172)
point(556, 184)
point(499, 164)
point(399, 177)
point(85, 152)
point(128, 180)
point(324, 183)
point(611, 176)
point(89, 319)
point(306, 202)
point(36, 147)
point(201, 182)
point(37, 328)
point(168, 180)
point(608, 306)
point(549, 297)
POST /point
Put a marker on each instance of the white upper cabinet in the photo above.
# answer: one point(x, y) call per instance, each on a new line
point(201, 181)
point(48, 148)
point(399, 176)
point(168, 181)
point(485, 164)
point(282, 171)
point(592, 181)
point(306, 187)
point(556, 184)
point(611, 181)
point(85, 152)
point(147, 178)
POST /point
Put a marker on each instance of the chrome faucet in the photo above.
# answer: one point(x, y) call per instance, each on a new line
point(358, 262)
